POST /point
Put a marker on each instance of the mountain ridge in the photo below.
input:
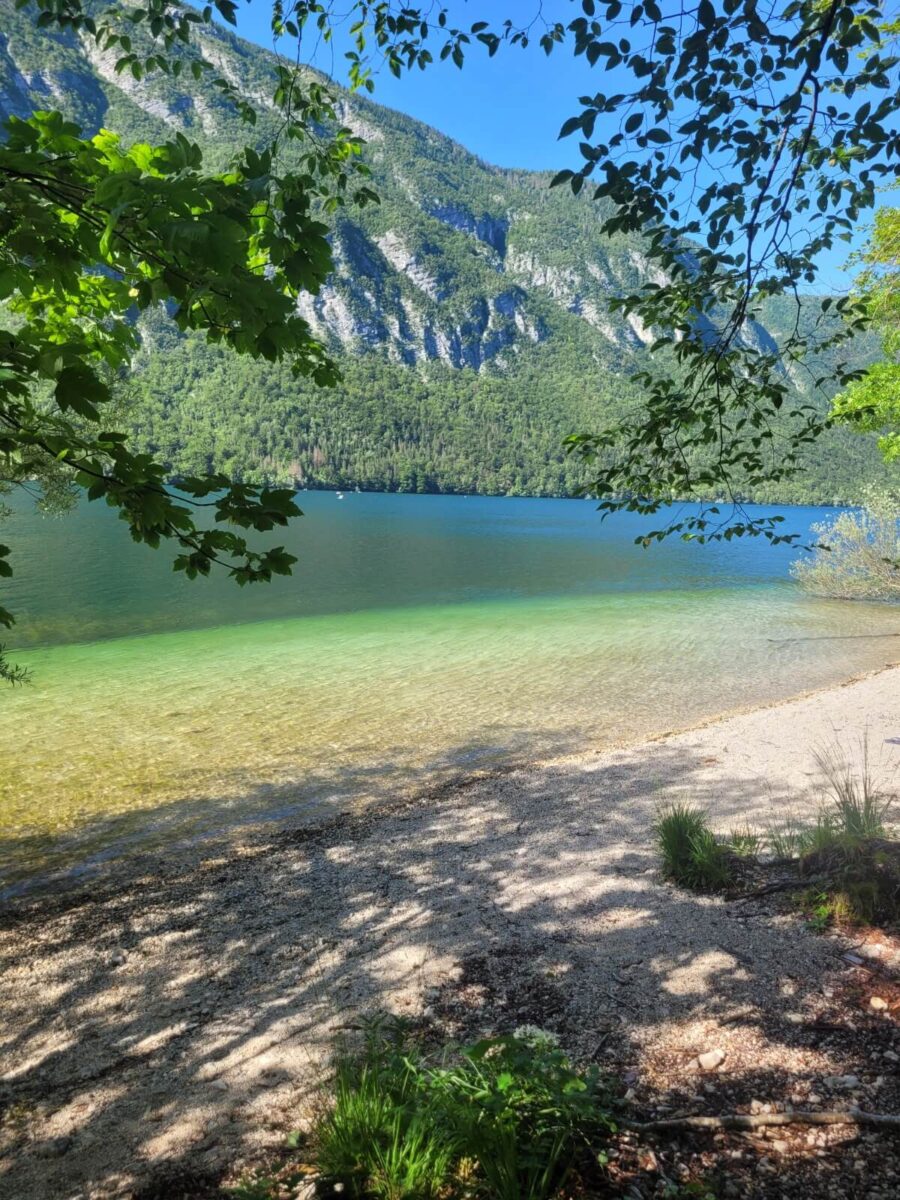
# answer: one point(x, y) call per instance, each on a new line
point(475, 283)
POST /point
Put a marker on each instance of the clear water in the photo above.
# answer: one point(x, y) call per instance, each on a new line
point(421, 637)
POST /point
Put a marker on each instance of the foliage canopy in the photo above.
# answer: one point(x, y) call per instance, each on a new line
point(872, 403)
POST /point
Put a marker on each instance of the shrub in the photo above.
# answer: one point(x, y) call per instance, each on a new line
point(857, 558)
point(506, 1121)
point(522, 1113)
point(690, 853)
point(860, 878)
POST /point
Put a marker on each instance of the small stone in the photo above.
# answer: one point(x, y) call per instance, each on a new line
point(781, 1146)
point(842, 1082)
point(891, 1056)
point(220, 1085)
point(117, 958)
point(814, 1098)
point(56, 1147)
point(878, 1003)
point(710, 1060)
point(794, 1018)
point(874, 951)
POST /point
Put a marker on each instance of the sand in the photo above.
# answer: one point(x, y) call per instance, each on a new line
point(180, 1018)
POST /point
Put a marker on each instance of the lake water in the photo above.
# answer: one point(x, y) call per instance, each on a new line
point(421, 637)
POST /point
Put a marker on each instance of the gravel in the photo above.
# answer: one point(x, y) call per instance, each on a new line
point(207, 987)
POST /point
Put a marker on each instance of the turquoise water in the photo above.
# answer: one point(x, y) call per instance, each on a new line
point(421, 637)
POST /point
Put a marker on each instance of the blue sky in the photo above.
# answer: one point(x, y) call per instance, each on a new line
point(509, 109)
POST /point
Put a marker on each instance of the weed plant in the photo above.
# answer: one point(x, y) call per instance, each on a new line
point(506, 1119)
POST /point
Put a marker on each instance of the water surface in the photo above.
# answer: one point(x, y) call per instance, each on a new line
point(421, 636)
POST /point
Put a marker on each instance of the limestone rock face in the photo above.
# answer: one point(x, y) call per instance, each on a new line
point(461, 264)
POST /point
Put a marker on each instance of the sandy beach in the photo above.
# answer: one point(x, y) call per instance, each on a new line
point(171, 1021)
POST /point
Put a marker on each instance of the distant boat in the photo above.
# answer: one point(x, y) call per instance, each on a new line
point(340, 495)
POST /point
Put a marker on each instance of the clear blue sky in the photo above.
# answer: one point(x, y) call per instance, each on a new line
point(509, 109)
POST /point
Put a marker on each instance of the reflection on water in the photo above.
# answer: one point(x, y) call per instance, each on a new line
point(519, 629)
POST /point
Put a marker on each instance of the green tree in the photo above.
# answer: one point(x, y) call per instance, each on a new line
point(872, 403)
point(93, 230)
point(740, 146)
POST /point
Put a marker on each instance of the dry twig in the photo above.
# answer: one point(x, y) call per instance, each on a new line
point(850, 1116)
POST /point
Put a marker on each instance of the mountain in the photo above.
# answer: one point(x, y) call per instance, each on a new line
point(468, 309)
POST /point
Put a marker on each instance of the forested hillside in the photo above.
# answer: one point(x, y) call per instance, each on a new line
point(468, 310)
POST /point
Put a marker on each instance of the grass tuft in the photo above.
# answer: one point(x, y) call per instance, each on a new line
point(788, 839)
point(745, 842)
point(848, 853)
point(691, 855)
point(506, 1119)
point(859, 807)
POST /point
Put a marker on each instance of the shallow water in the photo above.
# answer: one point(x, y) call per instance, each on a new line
point(421, 637)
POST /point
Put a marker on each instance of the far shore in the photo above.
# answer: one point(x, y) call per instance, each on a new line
point(178, 1014)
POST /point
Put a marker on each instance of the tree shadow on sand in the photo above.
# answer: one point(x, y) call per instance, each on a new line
point(39, 859)
point(182, 1017)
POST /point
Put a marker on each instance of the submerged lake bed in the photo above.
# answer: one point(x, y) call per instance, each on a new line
point(421, 637)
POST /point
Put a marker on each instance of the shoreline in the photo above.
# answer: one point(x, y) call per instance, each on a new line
point(254, 833)
point(179, 1015)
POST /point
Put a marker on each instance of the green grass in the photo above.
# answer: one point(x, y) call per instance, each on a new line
point(786, 840)
point(847, 852)
point(745, 842)
point(691, 855)
point(376, 1141)
point(506, 1119)
point(858, 806)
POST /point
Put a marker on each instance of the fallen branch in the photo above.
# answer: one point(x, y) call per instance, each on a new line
point(784, 884)
point(850, 1116)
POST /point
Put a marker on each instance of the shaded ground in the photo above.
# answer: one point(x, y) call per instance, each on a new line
point(181, 1020)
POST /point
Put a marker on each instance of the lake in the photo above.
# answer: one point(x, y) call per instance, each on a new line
point(421, 637)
